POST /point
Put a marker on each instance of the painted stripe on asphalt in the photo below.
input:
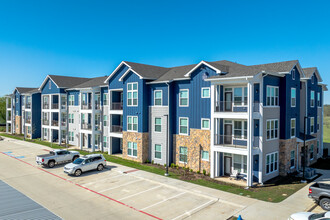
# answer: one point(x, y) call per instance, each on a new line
point(139, 193)
point(121, 185)
point(114, 200)
point(163, 201)
point(192, 210)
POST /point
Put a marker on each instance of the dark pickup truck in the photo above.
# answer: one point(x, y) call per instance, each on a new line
point(320, 192)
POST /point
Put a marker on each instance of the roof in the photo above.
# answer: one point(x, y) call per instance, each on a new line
point(309, 71)
point(26, 90)
point(97, 81)
point(147, 71)
point(67, 81)
point(285, 66)
point(308, 136)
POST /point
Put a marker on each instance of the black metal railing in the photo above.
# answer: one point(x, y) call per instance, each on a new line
point(116, 106)
point(45, 106)
point(116, 128)
point(86, 126)
point(230, 106)
point(97, 105)
point(55, 106)
point(28, 105)
point(54, 123)
point(28, 121)
point(86, 106)
point(229, 141)
point(45, 122)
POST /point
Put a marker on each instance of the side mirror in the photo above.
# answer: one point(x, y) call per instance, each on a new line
point(83, 163)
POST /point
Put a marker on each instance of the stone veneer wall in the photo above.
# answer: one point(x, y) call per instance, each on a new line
point(142, 140)
point(193, 142)
point(18, 124)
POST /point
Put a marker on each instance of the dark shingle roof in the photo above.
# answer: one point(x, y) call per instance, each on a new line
point(147, 71)
point(175, 73)
point(284, 66)
point(26, 90)
point(97, 81)
point(309, 71)
point(67, 81)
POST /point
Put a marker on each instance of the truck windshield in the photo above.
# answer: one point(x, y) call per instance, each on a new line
point(316, 216)
point(78, 161)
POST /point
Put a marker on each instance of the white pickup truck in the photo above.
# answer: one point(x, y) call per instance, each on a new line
point(56, 157)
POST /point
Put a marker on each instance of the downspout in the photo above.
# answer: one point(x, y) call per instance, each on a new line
point(67, 121)
point(168, 130)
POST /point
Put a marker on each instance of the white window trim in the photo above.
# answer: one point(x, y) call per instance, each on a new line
point(187, 98)
point(202, 155)
point(233, 95)
point(161, 124)
point(293, 74)
point(161, 92)
point(278, 97)
point(161, 153)
point(310, 125)
point(278, 129)
point(132, 149)
point(71, 102)
point(107, 124)
point(107, 95)
point(294, 159)
point(312, 106)
point(295, 99)
point(179, 155)
point(133, 123)
point(132, 91)
point(295, 127)
point(312, 158)
point(271, 162)
point(233, 129)
point(207, 97)
point(207, 119)
point(187, 126)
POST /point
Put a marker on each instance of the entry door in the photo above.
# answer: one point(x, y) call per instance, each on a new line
point(255, 167)
point(228, 101)
point(228, 134)
point(227, 165)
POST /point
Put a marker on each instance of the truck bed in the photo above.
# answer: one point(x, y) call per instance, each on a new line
point(45, 155)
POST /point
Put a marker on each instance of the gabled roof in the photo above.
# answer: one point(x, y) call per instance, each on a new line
point(93, 82)
point(22, 90)
point(64, 81)
point(280, 67)
point(309, 71)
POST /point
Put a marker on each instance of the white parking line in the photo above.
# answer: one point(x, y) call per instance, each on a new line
point(192, 210)
point(100, 180)
point(138, 193)
point(162, 201)
point(120, 186)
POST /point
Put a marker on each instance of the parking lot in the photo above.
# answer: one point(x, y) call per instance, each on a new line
point(141, 194)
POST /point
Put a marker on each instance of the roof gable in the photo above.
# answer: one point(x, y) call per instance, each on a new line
point(309, 71)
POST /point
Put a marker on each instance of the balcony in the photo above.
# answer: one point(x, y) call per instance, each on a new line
point(45, 106)
point(256, 107)
point(256, 141)
point(229, 106)
point(28, 121)
point(116, 129)
point(229, 141)
point(86, 106)
point(63, 123)
point(116, 106)
point(63, 106)
point(85, 126)
point(54, 123)
point(28, 105)
point(98, 106)
point(45, 122)
point(98, 127)
point(55, 106)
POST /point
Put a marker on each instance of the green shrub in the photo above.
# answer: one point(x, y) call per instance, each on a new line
point(198, 172)
point(172, 165)
point(191, 170)
point(147, 161)
point(164, 164)
point(204, 172)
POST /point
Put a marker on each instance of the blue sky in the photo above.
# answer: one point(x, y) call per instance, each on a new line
point(90, 38)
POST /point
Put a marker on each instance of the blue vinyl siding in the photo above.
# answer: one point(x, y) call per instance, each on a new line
point(104, 90)
point(270, 81)
point(18, 104)
point(114, 82)
point(312, 111)
point(45, 89)
point(75, 93)
point(164, 88)
point(36, 115)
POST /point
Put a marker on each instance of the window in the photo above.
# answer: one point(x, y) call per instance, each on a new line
point(272, 129)
point(132, 149)
point(16, 99)
point(293, 74)
point(318, 99)
point(312, 98)
point(50, 84)
point(312, 125)
point(45, 131)
point(184, 98)
point(292, 156)
point(245, 130)
point(318, 122)
point(206, 92)
point(272, 96)
point(71, 118)
point(271, 162)
point(293, 127)
point(311, 152)
point(237, 162)
point(240, 96)
point(205, 124)
point(71, 100)
point(183, 154)
point(105, 99)
point(132, 123)
point(158, 151)
point(158, 97)
point(29, 129)
point(71, 136)
point(132, 94)
point(293, 97)
point(183, 126)
point(205, 155)
point(240, 129)
point(105, 120)
point(105, 141)
point(158, 124)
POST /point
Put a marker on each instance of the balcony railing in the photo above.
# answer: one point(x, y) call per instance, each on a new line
point(28, 105)
point(256, 107)
point(55, 106)
point(97, 127)
point(256, 141)
point(86, 126)
point(86, 106)
point(54, 123)
point(63, 123)
point(229, 141)
point(117, 106)
point(229, 106)
point(45, 122)
point(116, 128)
point(28, 121)
point(97, 106)
point(45, 106)
point(63, 106)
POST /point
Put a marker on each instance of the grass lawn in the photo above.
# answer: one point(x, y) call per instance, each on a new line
point(275, 191)
point(326, 129)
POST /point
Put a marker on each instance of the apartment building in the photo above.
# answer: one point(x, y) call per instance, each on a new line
point(219, 117)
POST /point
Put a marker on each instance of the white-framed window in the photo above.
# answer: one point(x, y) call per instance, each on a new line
point(272, 96)
point(132, 149)
point(105, 120)
point(240, 129)
point(132, 94)
point(50, 84)
point(158, 125)
point(312, 125)
point(132, 123)
point(71, 136)
point(272, 129)
point(293, 97)
point(183, 125)
point(206, 92)
point(105, 141)
point(105, 99)
point(71, 118)
point(271, 162)
point(311, 152)
point(312, 79)
point(184, 98)
point(45, 132)
point(292, 157)
point(158, 151)
point(293, 74)
point(293, 127)
point(319, 99)
point(16, 99)
point(158, 97)
point(240, 96)
point(205, 124)
point(183, 157)
point(318, 122)
point(71, 100)
point(240, 163)
point(312, 98)
point(205, 155)
point(29, 130)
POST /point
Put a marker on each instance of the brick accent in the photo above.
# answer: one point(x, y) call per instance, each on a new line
point(197, 140)
point(18, 124)
point(142, 140)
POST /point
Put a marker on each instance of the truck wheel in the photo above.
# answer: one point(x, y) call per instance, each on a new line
point(77, 172)
point(74, 158)
point(51, 164)
point(325, 204)
point(100, 167)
